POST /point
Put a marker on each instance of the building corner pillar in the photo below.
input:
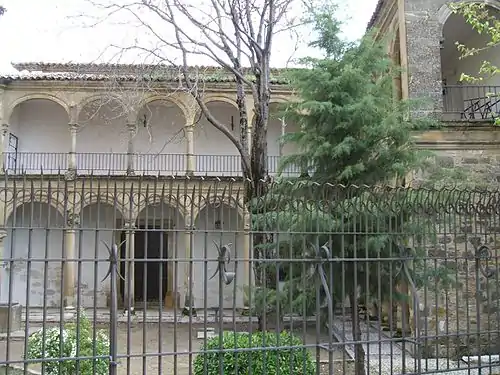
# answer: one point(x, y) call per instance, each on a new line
point(69, 260)
point(189, 303)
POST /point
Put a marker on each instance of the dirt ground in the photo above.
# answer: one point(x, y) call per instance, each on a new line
point(145, 343)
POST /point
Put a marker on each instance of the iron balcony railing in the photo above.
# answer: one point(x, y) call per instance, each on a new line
point(471, 102)
point(143, 164)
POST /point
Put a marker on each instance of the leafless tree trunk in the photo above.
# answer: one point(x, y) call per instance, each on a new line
point(236, 35)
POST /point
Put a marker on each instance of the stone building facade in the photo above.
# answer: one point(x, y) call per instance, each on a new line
point(421, 37)
point(89, 149)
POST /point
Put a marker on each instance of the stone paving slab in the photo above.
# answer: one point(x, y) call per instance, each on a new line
point(378, 343)
point(379, 366)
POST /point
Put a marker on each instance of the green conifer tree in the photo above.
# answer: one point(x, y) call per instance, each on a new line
point(353, 132)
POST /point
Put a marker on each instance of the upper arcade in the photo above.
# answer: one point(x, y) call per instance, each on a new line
point(127, 119)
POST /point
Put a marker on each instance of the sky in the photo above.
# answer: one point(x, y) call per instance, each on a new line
point(55, 31)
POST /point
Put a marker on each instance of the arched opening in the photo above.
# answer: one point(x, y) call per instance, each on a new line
point(158, 242)
point(100, 226)
point(278, 126)
point(217, 223)
point(160, 140)
point(216, 155)
point(102, 137)
point(38, 138)
point(465, 100)
point(34, 233)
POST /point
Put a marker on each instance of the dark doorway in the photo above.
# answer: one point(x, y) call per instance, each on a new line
point(150, 276)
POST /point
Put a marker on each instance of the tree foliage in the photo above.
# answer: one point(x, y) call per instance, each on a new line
point(478, 16)
point(353, 134)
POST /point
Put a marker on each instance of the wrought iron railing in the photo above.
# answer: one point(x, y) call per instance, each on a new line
point(471, 102)
point(142, 164)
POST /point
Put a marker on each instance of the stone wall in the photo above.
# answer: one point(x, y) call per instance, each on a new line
point(465, 320)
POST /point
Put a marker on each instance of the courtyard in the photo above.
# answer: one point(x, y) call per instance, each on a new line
point(163, 348)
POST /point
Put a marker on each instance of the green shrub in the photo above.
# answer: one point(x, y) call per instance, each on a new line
point(263, 359)
point(52, 348)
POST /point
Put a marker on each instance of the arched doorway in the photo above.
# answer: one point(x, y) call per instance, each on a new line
point(278, 126)
point(160, 139)
point(102, 137)
point(34, 233)
point(100, 224)
point(38, 137)
point(216, 155)
point(158, 242)
point(468, 100)
point(217, 223)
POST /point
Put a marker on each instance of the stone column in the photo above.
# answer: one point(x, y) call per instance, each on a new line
point(132, 131)
point(128, 293)
point(190, 157)
point(73, 221)
point(247, 239)
point(3, 269)
point(72, 167)
point(189, 271)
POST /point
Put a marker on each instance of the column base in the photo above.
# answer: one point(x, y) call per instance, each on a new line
point(130, 311)
point(130, 172)
point(189, 311)
point(69, 312)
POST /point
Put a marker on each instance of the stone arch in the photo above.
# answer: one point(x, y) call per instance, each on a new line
point(227, 200)
point(105, 199)
point(22, 199)
point(279, 99)
point(141, 202)
point(445, 12)
point(163, 100)
point(214, 97)
point(34, 233)
point(41, 96)
point(96, 97)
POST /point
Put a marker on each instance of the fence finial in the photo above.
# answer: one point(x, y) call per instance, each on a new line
point(224, 259)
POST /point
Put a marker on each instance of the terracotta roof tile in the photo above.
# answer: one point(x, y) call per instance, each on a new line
point(38, 71)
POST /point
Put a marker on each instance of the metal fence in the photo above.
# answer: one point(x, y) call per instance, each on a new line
point(172, 276)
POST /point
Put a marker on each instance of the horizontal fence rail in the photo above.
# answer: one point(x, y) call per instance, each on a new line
point(173, 277)
point(141, 164)
point(472, 102)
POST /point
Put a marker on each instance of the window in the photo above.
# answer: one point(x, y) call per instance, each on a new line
point(12, 152)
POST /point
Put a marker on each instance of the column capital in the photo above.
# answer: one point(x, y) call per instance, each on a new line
point(72, 219)
point(129, 225)
point(5, 128)
point(73, 126)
